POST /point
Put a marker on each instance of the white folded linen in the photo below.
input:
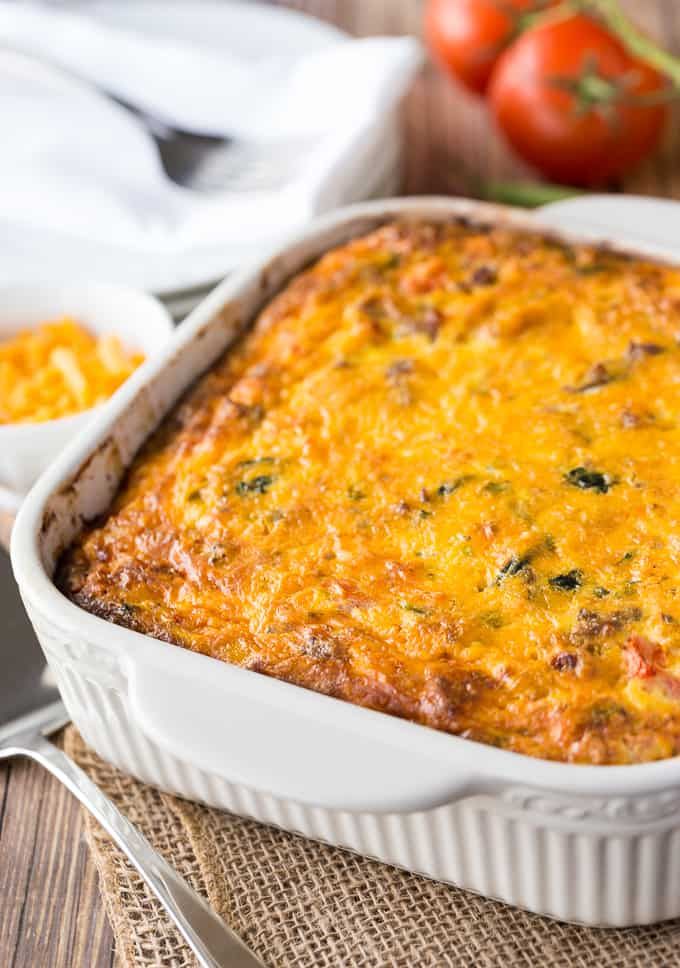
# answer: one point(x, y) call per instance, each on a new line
point(76, 165)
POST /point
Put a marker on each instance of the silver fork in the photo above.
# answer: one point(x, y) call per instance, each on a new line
point(202, 161)
point(29, 712)
point(210, 163)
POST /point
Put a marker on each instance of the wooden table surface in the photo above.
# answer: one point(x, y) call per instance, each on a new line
point(51, 915)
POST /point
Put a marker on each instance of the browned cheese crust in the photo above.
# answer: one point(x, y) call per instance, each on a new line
point(438, 478)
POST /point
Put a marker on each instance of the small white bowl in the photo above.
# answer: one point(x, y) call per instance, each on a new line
point(140, 321)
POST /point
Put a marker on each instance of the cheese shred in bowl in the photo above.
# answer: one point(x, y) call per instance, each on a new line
point(59, 368)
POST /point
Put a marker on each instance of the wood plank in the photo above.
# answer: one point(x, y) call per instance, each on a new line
point(52, 915)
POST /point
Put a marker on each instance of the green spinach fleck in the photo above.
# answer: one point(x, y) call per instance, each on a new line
point(256, 485)
point(416, 609)
point(493, 619)
point(450, 487)
point(496, 487)
point(592, 268)
point(584, 479)
point(601, 713)
point(392, 261)
point(568, 581)
point(513, 566)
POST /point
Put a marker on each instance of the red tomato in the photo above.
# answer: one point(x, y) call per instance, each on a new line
point(571, 100)
point(467, 36)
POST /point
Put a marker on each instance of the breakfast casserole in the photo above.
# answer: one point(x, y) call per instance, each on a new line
point(437, 478)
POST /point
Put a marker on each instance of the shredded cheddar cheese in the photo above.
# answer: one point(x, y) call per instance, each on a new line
point(440, 477)
point(59, 368)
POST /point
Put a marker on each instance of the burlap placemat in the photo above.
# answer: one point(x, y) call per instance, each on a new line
point(303, 904)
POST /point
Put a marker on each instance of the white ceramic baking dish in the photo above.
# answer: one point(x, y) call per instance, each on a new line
point(600, 845)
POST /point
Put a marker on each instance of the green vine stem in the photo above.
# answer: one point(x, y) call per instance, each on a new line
point(609, 13)
point(637, 43)
point(523, 194)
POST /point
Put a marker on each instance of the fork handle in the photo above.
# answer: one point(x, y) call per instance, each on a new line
point(159, 128)
point(212, 941)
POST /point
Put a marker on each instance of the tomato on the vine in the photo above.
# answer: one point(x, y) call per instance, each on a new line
point(467, 36)
point(575, 103)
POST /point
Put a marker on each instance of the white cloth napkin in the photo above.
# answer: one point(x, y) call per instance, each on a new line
point(78, 167)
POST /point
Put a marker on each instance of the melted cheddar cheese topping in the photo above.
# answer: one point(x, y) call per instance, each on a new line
point(438, 478)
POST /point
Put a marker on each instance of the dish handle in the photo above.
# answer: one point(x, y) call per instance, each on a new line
point(288, 742)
